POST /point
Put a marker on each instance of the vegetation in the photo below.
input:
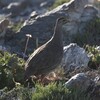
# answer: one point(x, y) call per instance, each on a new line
point(52, 91)
point(11, 69)
point(57, 92)
point(17, 26)
point(94, 56)
point(11, 75)
point(89, 40)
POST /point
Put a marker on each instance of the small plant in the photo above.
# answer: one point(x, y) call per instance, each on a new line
point(55, 91)
point(94, 56)
point(17, 26)
point(25, 94)
point(11, 68)
point(52, 91)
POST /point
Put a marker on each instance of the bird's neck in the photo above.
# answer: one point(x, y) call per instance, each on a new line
point(58, 36)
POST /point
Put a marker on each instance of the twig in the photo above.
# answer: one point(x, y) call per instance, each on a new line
point(28, 37)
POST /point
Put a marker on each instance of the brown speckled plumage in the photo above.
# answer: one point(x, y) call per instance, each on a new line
point(48, 56)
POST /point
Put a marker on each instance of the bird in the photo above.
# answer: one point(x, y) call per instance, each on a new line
point(47, 57)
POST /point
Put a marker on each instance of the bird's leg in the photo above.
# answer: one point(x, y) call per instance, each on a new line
point(41, 79)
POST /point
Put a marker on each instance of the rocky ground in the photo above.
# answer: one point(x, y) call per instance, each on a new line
point(81, 63)
point(27, 18)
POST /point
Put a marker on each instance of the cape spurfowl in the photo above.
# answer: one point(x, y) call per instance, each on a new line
point(48, 56)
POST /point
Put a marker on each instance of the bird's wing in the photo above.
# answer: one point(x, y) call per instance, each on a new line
point(42, 61)
point(34, 56)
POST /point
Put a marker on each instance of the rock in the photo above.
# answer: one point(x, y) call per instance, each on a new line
point(95, 94)
point(42, 26)
point(97, 4)
point(3, 27)
point(9, 34)
point(24, 7)
point(78, 80)
point(34, 2)
point(98, 48)
point(6, 2)
point(43, 3)
point(1, 5)
point(74, 57)
point(17, 8)
point(2, 48)
point(89, 13)
point(33, 14)
point(97, 80)
point(4, 24)
point(91, 1)
point(79, 19)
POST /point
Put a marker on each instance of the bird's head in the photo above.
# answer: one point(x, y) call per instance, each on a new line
point(62, 20)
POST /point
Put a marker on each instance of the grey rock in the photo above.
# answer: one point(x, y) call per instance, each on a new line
point(98, 48)
point(95, 93)
point(17, 8)
point(79, 19)
point(74, 57)
point(3, 25)
point(97, 80)
point(89, 13)
point(43, 3)
point(7, 2)
point(2, 48)
point(3, 28)
point(78, 80)
point(42, 26)
point(34, 2)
